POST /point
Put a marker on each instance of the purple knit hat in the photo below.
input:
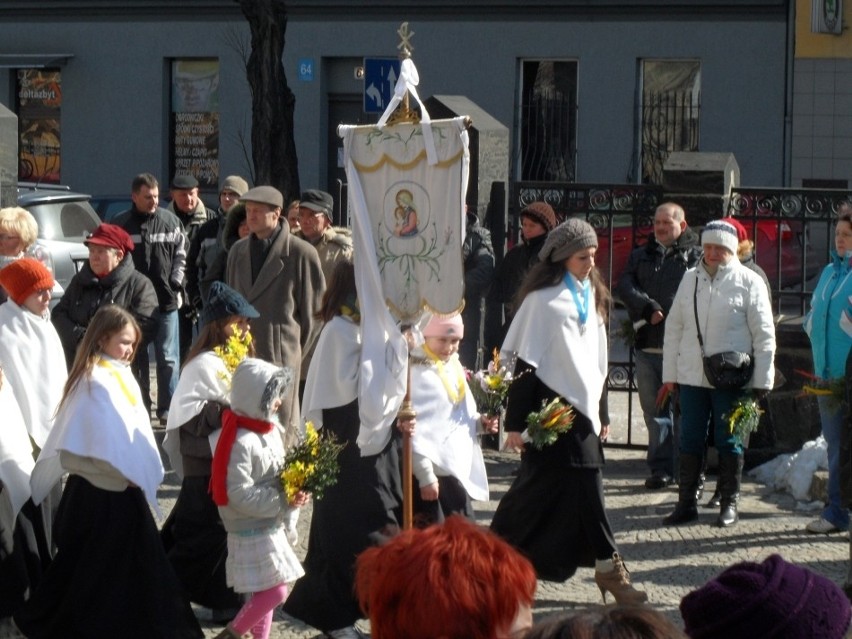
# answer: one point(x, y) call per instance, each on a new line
point(774, 599)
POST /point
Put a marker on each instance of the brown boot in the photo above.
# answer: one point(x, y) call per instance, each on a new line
point(617, 583)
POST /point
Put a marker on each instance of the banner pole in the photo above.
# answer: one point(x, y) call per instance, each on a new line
point(406, 411)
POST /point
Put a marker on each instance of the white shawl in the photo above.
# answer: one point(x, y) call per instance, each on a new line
point(204, 379)
point(546, 334)
point(103, 418)
point(33, 363)
point(332, 379)
point(446, 432)
point(16, 454)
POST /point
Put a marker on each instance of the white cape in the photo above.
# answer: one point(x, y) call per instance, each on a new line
point(332, 379)
point(446, 432)
point(16, 453)
point(34, 366)
point(204, 379)
point(546, 334)
point(105, 418)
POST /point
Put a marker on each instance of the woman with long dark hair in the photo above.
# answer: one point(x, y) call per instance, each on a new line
point(554, 511)
point(194, 536)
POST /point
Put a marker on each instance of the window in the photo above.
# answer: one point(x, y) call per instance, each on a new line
point(671, 92)
point(38, 105)
point(547, 149)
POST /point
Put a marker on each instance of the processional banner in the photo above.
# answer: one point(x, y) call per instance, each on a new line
point(406, 186)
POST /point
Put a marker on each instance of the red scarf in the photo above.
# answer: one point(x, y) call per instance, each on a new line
point(219, 472)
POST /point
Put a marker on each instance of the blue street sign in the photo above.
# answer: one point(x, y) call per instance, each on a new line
point(306, 69)
point(380, 75)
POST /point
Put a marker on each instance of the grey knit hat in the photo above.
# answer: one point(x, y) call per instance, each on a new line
point(566, 239)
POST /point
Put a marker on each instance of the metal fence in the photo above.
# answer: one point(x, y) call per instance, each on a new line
point(791, 230)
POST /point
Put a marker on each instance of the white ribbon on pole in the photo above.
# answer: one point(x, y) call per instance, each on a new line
point(408, 81)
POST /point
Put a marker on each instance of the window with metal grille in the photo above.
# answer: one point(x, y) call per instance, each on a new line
point(671, 102)
point(547, 149)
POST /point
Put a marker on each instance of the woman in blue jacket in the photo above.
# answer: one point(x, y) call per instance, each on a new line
point(830, 345)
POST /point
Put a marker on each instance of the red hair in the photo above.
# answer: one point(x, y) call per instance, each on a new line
point(454, 581)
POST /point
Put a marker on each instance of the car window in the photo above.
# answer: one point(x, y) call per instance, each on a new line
point(67, 221)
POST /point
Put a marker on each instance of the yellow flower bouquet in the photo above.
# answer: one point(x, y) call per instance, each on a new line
point(744, 417)
point(311, 465)
point(235, 350)
point(545, 426)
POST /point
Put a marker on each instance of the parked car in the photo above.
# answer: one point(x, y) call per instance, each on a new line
point(65, 219)
point(109, 206)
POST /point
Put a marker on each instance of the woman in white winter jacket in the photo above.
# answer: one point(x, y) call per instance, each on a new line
point(734, 313)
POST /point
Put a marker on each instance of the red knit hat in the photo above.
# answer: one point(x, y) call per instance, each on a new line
point(111, 236)
point(742, 234)
point(24, 277)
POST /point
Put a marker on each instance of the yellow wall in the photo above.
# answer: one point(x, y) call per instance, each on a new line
point(822, 45)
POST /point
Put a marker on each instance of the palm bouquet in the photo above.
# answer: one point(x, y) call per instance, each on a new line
point(833, 389)
point(311, 465)
point(545, 426)
point(744, 417)
point(490, 386)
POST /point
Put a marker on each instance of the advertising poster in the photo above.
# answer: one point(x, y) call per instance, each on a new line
point(195, 120)
point(39, 97)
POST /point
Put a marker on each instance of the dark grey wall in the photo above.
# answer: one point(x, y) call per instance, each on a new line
point(115, 100)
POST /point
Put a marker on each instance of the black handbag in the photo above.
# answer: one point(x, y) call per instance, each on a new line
point(726, 371)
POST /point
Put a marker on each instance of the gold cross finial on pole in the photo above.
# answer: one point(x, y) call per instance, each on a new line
point(404, 46)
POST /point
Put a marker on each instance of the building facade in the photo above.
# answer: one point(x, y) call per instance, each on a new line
point(590, 91)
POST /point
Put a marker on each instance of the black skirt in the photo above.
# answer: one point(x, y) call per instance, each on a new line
point(110, 576)
point(196, 544)
point(363, 508)
point(554, 510)
point(22, 568)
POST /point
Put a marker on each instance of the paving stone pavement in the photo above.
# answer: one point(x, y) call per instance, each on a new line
point(666, 562)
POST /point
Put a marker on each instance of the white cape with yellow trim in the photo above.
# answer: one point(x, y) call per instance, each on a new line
point(446, 432)
point(406, 185)
point(104, 418)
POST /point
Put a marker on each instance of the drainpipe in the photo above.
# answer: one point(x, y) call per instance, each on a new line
point(787, 170)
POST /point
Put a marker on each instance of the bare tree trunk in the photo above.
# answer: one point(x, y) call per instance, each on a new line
point(273, 103)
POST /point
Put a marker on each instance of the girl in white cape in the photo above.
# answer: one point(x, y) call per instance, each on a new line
point(447, 460)
point(110, 576)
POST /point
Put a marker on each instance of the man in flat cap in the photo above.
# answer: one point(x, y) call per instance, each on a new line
point(332, 243)
point(280, 275)
point(193, 214)
point(207, 244)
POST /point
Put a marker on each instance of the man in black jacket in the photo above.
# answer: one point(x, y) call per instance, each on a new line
point(537, 220)
point(109, 277)
point(159, 254)
point(647, 287)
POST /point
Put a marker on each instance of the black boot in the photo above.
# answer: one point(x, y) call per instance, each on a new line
point(687, 506)
point(715, 499)
point(730, 474)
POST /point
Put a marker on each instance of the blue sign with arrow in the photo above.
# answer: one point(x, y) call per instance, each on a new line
point(380, 76)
